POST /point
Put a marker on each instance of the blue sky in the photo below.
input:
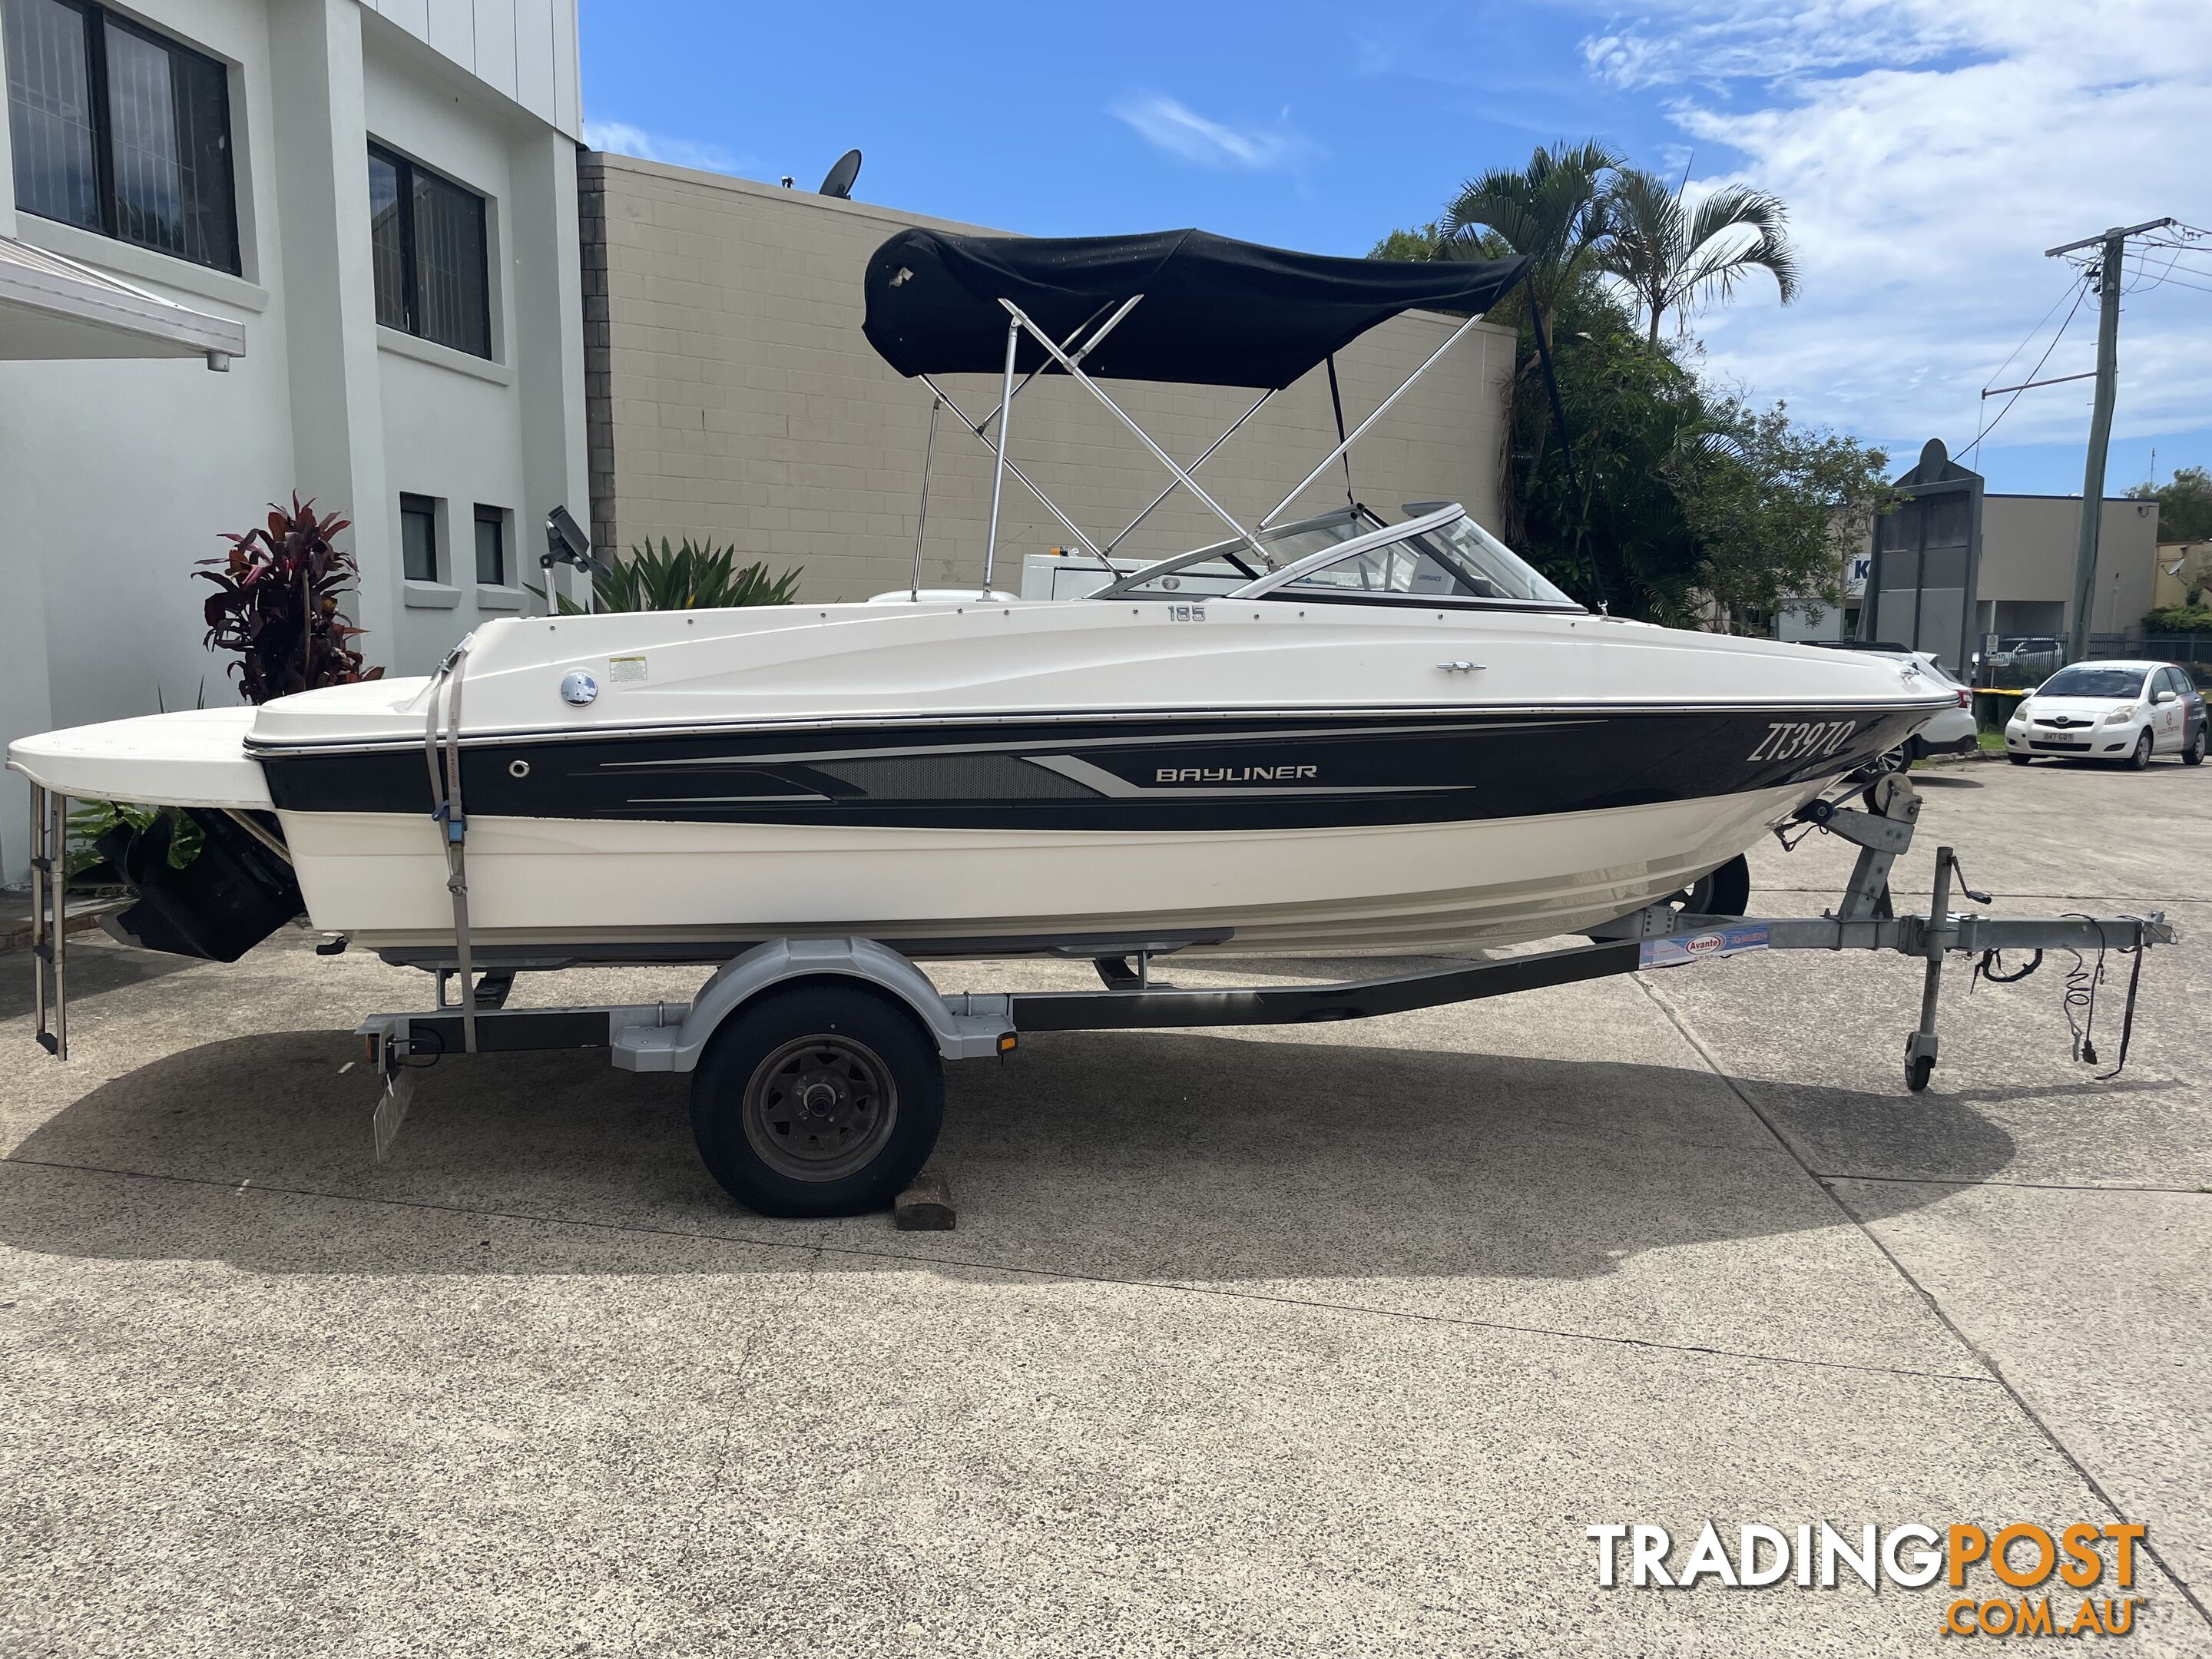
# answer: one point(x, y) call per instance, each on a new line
point(1929, 149)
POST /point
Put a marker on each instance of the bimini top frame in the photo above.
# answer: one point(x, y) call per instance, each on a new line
point(1177, 305)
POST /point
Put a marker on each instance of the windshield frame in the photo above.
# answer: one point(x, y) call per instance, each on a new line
point(1233, 552)
point(1269, 587)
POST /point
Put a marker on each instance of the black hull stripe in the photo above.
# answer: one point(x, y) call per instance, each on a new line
point(1119, 774)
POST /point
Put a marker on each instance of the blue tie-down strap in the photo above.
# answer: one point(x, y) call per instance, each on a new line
point(1716, 942)
point(457, 824)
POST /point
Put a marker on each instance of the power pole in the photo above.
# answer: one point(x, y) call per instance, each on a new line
point(2115, 243)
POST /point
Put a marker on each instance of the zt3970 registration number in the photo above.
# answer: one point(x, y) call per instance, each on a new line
point(1803, 741)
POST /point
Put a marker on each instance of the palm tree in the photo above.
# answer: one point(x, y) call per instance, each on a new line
point(1554, 211)
point(1671, 258)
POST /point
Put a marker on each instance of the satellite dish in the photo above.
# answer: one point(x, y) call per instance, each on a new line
point(839, 183)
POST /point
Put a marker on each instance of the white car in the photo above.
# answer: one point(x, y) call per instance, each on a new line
point(2111, 711)
point(1953, 732)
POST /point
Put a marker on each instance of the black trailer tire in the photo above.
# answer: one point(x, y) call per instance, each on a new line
point(1725, 891)
point(822, 1099)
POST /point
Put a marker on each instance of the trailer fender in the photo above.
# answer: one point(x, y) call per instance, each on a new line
point(967, 1028)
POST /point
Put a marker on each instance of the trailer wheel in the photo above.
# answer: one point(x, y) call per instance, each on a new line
point(818, 1101)
point(1725, 891)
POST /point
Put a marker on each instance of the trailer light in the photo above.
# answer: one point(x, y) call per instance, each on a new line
point(1006, 1043)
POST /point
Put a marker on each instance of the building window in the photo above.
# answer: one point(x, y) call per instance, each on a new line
point(427, 245)
point(418, 538)
point(120, 131)
point(491, 546)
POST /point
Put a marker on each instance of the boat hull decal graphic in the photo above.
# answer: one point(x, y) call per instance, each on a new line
point(1232, 773)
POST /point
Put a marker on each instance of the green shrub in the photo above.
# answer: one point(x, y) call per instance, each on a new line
point(692, 577)
point(2180, 619)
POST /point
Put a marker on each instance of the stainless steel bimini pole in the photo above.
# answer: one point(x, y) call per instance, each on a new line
point(921, 519)
point(1328, 460)
point(1005, 409)
point(1021, 320)
point(1050, 506)
point(998, 471)
point(1171, 489)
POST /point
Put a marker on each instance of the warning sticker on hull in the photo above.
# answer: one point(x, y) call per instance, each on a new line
point(1702, 947)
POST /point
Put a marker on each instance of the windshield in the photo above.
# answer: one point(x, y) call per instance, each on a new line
point(1458, 560)
point(2121, 683)
point(1494, 566)
point(1225, 565)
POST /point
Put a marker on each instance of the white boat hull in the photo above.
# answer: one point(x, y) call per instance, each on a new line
point(663, 889)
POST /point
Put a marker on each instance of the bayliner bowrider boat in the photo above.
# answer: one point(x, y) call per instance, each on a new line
point(1336, 734)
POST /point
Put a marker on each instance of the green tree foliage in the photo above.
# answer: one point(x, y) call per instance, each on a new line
point(1686, 506)
point(1554, 211)
point(1670, 256)
point(1682, 503)
point(1763, 497)
point(1613, 530)
point(2184, 504)
point(1411, 246)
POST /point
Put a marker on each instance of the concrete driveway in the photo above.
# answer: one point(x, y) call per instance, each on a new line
point(1332, 1339)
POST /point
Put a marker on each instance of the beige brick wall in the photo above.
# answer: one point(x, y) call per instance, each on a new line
point(733, 394)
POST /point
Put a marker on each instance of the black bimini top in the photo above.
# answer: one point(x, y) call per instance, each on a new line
point(1215, 312)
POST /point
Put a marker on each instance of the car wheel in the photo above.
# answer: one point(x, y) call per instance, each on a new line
point(2020, 760)
point(818, 1100)
point(2139, 759)
point(2194, 755)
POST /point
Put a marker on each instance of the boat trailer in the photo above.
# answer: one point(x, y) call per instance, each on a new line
point(847, 983)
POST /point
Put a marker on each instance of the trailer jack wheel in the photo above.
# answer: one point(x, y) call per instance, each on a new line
point(1919, 1060)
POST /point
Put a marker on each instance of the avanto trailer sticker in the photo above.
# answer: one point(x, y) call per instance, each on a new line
point(1702, 947)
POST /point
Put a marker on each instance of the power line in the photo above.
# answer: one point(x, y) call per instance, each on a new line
point(2029, 338)
point(2080, 291)
point(2176, 282)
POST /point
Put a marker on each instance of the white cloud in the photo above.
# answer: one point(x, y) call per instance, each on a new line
point(1187, 135)
point(1930, 150)
point(1737, 38)
point(623, 139)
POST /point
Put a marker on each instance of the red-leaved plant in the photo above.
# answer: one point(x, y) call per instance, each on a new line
point(278, 605)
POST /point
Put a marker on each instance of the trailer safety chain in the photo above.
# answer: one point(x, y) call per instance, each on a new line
point(447, 810)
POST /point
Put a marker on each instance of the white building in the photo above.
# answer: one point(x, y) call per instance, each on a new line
point(368, 214)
